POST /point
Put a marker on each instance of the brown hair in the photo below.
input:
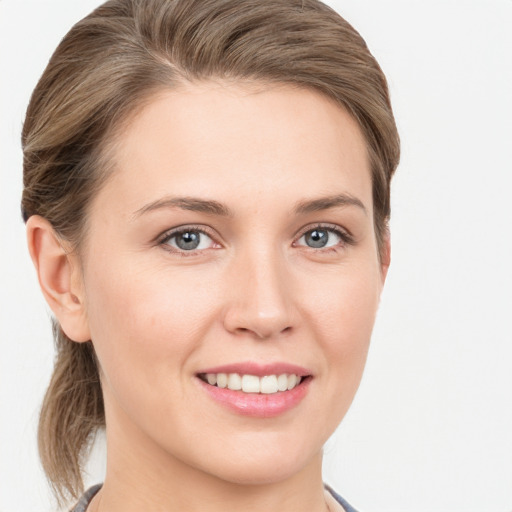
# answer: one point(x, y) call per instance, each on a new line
point(104, 69)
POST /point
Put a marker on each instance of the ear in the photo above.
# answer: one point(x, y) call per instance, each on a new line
point(59, 275)
point(385, 255)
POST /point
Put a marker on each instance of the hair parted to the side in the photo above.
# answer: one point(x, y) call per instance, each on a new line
point(106, 68)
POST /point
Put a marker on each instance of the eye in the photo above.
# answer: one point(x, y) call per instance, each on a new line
point(322, 237)
point(188, 240)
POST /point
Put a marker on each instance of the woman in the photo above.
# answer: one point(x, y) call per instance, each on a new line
point(207, 197)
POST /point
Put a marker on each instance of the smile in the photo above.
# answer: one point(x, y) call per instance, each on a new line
point(267, 384)
point(260, 391)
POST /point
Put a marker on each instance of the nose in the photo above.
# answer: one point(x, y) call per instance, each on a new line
point(260, 293)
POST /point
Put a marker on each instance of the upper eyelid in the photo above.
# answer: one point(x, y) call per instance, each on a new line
point(324, 225)
point(167, 234)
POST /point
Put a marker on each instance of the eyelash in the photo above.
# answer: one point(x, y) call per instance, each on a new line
point(168, 235)
point(345, 236)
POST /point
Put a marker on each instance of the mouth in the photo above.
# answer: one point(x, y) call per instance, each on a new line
point(254, 384)
point(253, 390)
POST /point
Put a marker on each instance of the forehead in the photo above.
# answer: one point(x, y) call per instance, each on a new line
point(255, 140)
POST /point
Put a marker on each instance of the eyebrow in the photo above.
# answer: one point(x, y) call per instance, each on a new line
point(213, 207)
point(325, 203)
point(187, 203)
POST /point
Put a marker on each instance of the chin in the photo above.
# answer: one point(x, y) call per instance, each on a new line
point(268, 463)
point(268, 473)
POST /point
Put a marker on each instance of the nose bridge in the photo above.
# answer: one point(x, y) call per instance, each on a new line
point(261, 295)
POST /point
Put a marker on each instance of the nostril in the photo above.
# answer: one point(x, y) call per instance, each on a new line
point(257, 321)
point(264, 333)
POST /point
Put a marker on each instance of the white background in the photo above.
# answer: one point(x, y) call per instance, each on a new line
point(431, 427)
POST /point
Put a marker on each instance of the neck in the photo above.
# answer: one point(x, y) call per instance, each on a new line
point(141, 476)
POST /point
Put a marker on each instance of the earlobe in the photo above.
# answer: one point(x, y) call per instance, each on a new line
point(59, 278)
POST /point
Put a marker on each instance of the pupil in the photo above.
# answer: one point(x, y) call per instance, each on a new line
point(188, 240)
point(316, 238)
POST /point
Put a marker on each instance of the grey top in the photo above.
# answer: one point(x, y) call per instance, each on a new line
point(86, 498)
point(81, 506)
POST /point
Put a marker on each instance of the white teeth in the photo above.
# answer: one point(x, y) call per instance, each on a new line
point(267, 384)
point(234, 382)
point(222, 380)
point(250, 384)
point(292, 381)
point(282, 382)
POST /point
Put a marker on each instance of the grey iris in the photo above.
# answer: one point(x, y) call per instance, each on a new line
point(188, 240)
point(316, 238)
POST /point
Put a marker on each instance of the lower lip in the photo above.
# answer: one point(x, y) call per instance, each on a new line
point(258, 405)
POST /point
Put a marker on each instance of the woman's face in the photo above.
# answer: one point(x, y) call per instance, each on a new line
point(235, 236)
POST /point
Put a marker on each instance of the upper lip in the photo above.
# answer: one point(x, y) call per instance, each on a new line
point(259, 369)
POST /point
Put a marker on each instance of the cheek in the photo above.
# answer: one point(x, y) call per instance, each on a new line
point(145, 324)
point(346, 305)
point(344, 315)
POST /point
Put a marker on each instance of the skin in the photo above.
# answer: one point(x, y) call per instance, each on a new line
point(253, 291)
